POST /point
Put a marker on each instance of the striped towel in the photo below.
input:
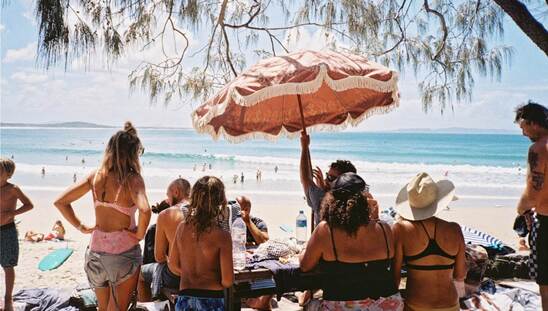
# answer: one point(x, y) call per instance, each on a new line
point(474, 236)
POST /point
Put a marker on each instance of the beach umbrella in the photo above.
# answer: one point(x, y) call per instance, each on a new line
point(283, 95)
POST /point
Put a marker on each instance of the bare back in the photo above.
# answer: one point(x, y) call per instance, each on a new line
point(369, 244)
point(431, 288)
point(8, 203)
point(204, 263)
point(538, 174)
point(106, 188)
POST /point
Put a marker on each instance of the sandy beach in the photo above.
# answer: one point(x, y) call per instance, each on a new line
point(275, 209)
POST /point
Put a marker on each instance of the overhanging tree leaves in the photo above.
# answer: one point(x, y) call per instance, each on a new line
point(206, 43)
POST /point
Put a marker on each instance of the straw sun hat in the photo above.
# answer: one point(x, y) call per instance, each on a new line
point(421, 198)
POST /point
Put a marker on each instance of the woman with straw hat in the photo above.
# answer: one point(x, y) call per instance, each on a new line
point(431, 248)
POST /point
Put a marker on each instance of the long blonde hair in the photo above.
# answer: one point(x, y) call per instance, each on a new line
point(122, 154)
point(207, 201)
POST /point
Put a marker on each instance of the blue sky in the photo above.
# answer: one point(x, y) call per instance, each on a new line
point(100, 95)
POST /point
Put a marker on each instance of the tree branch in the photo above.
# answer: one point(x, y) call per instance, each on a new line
point(443, 28)
point(526, 22)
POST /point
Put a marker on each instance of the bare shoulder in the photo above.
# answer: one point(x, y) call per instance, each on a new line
point(402, 225)
point(221, 236)
point(136, 181)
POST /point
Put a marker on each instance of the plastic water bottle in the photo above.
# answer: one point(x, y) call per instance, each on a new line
point(238, 243)
point(301, 227)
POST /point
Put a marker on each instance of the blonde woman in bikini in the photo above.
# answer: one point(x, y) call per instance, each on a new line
point(113, 257)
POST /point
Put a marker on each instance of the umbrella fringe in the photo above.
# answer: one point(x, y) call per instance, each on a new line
point(209, 129)
point(309, 87)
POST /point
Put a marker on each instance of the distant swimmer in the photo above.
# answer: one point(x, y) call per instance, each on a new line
point(66, 158)
point(74, 178)
point(210, 166)
point(43, 171)
point(204, 167)
point(83, 161)
point(242, 178)
point(446, 173)
point(235, 178)
point(194, 168)
point(276, 169)
point(12, 157)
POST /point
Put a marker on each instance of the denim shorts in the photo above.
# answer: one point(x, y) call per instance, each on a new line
point(200, 300)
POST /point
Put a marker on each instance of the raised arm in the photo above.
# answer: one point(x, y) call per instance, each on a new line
point(536, 162)
point(161, 244)
point(398, 252)
point(311, 256)
point(27, 204)
point(73, 193)
point(305, 166)
point(139, 197)
point(227, 266)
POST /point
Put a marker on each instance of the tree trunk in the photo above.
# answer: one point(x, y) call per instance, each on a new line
point(526, 22)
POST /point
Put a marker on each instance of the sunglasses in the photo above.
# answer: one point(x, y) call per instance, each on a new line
point(329, 178)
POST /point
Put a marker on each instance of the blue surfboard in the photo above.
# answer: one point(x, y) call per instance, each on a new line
point(55, 259)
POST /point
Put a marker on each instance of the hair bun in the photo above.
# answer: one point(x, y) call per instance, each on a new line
point(128, 128)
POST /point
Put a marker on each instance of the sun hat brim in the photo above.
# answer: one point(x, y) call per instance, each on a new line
point(446, 192)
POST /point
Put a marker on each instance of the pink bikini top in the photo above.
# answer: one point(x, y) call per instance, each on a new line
point(129, 211)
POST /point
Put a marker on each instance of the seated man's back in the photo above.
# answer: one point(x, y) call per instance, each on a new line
point(201, 258)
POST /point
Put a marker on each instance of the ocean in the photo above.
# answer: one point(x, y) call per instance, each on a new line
point(487, 169)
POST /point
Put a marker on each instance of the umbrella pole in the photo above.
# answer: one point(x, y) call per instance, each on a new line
point(312, 222)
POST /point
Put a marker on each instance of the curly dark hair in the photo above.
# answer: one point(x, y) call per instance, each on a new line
point(343, 166)
point(532, 113)
point(347, 212)
point(207, 200)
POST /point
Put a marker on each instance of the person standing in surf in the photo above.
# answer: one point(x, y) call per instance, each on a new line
point(113, 257)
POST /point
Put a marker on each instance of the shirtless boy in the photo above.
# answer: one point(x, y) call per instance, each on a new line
point(9, 256)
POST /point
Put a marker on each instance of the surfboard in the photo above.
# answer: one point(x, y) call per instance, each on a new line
point(55, 259)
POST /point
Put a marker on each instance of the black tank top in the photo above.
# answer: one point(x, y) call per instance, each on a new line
point(346, 281)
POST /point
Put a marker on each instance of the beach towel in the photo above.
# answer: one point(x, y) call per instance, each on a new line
point(44, 299)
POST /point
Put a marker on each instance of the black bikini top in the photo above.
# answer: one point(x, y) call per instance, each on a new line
point(432, 248)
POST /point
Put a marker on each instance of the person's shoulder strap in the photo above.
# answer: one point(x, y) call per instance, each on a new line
point(333, 243)
point(385, 240)
point(426, 231)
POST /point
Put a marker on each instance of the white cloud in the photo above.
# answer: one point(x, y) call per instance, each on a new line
point(23, 54)
point(29, 77)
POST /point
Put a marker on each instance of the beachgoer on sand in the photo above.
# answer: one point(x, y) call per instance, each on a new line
point(203, 250)
point(57, 232)
point(9, 246)
point(355, 252)
point(158, 275)
point(113, 257)
point(432, 262)
point(533, 204)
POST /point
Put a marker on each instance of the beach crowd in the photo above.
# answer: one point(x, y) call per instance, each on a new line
point(189, 251)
